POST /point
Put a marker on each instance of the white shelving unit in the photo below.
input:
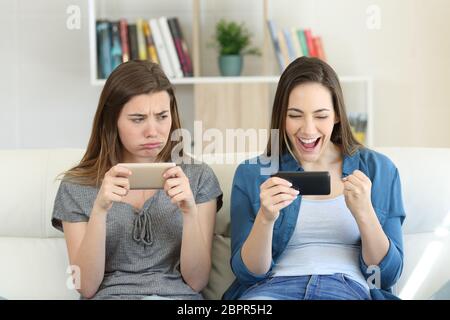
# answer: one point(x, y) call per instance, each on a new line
point(366, 81)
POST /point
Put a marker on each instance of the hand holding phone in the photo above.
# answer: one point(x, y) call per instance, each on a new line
point(114, 187)
point(275, 194)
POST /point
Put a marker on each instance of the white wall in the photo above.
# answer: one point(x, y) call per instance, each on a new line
point(47, 100)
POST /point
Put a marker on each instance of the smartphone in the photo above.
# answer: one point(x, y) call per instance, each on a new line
point(309, 183)
point(147, 175)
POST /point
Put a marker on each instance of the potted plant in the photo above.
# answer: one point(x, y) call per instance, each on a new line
point(233, 42)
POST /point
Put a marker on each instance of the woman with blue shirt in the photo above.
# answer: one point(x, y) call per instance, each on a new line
point(346, 245)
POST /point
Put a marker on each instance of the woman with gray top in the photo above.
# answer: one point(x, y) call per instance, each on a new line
point(134, 244)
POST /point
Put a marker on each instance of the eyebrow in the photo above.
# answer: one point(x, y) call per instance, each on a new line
point(144, 115)
point(317, 111)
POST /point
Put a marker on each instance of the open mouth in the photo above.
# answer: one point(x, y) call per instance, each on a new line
point(308, 144)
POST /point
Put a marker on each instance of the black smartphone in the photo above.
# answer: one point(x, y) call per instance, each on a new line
point(309, 183)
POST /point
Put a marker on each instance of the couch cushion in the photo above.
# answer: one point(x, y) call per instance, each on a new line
point(31, 174)
point(221, 275)
point(224, 166)
point(425, 179)
point(224, 174)
point(34, 268)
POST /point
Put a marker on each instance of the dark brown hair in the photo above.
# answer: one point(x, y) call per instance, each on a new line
point(311, 70)
point(104, 149)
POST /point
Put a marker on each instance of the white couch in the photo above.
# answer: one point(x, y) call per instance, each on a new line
point(33, 258)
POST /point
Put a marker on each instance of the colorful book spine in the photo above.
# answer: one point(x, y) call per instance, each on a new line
point(303, 44)
point(124, 40)
point(132, 39)
point(116, 48)
point(178, 46)
point(170, 46)
point(276, 45)
point(289, 44)
point(142, 47)
point(310, 43)
point(283, 48)
point(151, 49)
point(103, 30)
point(295, 40)
point(187, 56)
point(161, 48)
point(319, 48)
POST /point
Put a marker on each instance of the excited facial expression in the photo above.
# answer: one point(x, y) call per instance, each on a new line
point(310, 120)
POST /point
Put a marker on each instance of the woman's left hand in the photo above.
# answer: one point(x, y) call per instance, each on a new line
point(177, 187)
point(357, 191)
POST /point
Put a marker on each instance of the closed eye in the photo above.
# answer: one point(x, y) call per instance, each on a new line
point(299, 116)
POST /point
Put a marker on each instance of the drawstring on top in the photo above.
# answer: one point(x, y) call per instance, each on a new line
point(142, 229)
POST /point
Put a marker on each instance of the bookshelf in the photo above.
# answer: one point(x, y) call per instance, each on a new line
point(216, 97)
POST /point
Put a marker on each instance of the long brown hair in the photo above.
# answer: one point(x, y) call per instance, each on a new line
point(307, 70)
point(104, 149)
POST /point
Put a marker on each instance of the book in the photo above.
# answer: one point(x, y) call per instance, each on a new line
point(295, 40)
point(103, 30)
point(283, 47)
point(178, 42)
point(186, 55)
point(123, 24)
point(358, 125)
point(289, 44)
point(319, 48)
point(302, 39)
point(161, 48)
point(276, 45)
point(170, 46)
point(151, 49)
point(132, 40)
point(309, 42)
point(116, 46)
point(142, 47)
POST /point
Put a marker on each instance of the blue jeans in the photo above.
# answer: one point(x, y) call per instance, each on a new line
point(316, 287)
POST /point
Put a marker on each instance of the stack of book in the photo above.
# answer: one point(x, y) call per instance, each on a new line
point(158, 40)
point(291, 43)
point(358, 124)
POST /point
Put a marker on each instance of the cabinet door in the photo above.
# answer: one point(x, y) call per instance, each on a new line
point(234, 106)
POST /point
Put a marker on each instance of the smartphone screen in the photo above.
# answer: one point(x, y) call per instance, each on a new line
point(308, 183)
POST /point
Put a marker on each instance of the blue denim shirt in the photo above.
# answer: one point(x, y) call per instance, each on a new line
point(386, 200)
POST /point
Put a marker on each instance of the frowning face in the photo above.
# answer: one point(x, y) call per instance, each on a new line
point(144, 126)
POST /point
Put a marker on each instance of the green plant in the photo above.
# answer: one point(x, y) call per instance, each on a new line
point(233, 38)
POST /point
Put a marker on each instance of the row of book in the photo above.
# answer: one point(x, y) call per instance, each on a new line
point(159, 40)
point(291, 43)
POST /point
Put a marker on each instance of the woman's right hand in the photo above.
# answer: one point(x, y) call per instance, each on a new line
point(114, 187)
point(275, 194)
